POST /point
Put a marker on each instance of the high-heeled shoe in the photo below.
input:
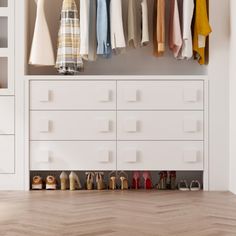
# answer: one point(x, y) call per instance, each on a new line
point(37, 183)
point(162, 185)
point(64, 181)
point(147, 180)
point(124, 182)
point(89, 180)
point(51, 183)
point(172, 180)
point(136, 180)
point(112, 180)
point(74, 181)
point(100, 180)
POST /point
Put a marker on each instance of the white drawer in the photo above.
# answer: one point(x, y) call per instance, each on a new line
point(7, 154)
point(163, 155)
point(72, 125)
point(7, 115)
point(72, 155)
point(160, 95)
point(72, 95)
point(160, 125)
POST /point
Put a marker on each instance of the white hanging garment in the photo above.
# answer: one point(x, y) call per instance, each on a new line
point(116, 21)
point(84, 28)
point(187, 48)
point(42, 50)
point(145, 29)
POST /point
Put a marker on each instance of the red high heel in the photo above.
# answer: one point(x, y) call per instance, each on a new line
point(136, 180)
point(147, 180)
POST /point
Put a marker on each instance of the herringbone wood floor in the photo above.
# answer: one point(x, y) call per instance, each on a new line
point(85, 213)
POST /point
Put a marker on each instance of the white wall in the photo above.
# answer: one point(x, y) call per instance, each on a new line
point(233, 97)
point(218, 71)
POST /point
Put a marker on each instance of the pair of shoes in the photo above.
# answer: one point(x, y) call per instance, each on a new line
point(113, 180)
point(167, 180)
point(99, 177)
point(147, 180)
point(73, 182)
point(194, 185)
point(37, 183)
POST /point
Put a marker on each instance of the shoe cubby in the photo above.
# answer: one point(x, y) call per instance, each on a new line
point(3, 3)
point(3, 32)
point(154, 175)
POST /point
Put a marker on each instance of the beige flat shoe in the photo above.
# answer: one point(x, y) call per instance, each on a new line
point(37, 183)
point(51, 183)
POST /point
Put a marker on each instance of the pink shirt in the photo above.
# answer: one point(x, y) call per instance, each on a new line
point(175, 36)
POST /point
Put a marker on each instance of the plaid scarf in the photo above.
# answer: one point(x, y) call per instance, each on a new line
point(69, 60)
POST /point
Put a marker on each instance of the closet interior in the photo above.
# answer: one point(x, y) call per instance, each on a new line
point(138, 61)
point(115, 99)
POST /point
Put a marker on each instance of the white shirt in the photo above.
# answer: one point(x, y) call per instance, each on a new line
point(188, 10)
point(116, 22)
point(145, 29)
point(84, 28)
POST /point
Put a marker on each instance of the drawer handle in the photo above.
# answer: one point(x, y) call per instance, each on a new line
point(104, 156)
point(131, 95)
point(131, 126)
point(45, 96)
point(191, 95)
point(44, 126)
point(131, 156)
point(104, 125)
point(191, 125)
point(104, 95)
point(191, 156)
point(43, 157)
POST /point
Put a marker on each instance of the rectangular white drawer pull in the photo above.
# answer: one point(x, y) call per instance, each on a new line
point(131, 125)
point(130, 155)
point(44, 96)
point(190, 125)
point(43, 157)
point(44, 126)
point(104, 125)
point(131, 95)
point(104, 95)
point(190, 95)
point(104, 156)
point(191, 156)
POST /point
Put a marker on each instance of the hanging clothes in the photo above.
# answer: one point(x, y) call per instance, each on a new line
point(117, 30)
point(42, 50)
point(69, 60)
point(175, 35)
point(103, 28)
point(92, 53)
point(159, 28)
point(84, 28)
point(187, 17)
point(134, 23)
point(202, 29)
point(145, 26)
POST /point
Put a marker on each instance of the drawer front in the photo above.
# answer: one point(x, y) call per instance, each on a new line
point(7, 156)
point(154, 155)
point(72, 155)
point(72, 95)
point(7, 115)
point(160, 95)
point(73, 125)
point(160, 125)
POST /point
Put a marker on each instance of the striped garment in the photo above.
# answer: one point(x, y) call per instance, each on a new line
point(69, 60)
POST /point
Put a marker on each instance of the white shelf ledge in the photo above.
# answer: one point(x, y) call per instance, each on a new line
point(4, 52)
point(4, 12)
